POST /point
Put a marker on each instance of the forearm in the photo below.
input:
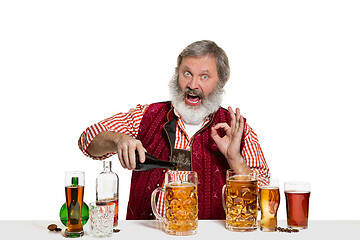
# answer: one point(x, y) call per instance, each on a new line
point(239, 165)
point(104, 143)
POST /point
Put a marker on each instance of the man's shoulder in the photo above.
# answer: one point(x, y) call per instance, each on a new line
point(160, 104)
point(222, 111)
point(166, 105)
point(158, 107)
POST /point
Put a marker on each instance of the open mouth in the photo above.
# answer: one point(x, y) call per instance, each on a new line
point(192, 99)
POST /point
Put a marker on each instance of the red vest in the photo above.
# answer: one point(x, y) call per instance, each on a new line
point(207, 161)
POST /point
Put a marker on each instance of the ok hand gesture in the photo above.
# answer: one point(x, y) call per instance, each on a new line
point(229, 145)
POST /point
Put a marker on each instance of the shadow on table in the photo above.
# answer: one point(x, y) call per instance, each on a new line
point(160, 226)
point(153, 224)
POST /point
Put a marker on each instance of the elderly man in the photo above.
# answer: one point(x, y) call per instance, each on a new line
point(191, 130)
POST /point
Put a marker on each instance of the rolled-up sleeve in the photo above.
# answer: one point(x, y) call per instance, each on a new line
point(254, 156)
point(127, 123)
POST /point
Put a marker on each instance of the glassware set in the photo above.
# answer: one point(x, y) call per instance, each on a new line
point(103, 213)
point(241, 197)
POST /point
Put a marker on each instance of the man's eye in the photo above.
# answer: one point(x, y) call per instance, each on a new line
point(204, 77)
point(187, 74)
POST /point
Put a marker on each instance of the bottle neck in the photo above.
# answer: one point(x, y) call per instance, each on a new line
point(107, 166)
point(74, 181)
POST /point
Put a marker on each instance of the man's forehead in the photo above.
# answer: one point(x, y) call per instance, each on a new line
point(205, 63)
point(206, 56)
point(185, 67)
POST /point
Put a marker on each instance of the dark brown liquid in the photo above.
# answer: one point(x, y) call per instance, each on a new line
point(74, 202)
point(297, 208)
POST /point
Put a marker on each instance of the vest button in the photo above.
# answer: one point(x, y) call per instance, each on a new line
point(158, 185)
point(164, 171)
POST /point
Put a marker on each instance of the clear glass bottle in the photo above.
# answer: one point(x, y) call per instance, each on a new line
point(107, 188)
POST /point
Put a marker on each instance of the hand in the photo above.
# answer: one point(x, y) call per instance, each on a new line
point(126, 148)
point(229, 145)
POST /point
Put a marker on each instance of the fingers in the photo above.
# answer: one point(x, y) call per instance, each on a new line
point(121, 160)
point(242, 124)
point(127, 153)
point(233, 118)
point(225, 126)
point(237, 122)
point(141, 151)
point(214, 133)
point(238, 116)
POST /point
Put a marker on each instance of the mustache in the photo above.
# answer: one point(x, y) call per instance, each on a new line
point(194, 92)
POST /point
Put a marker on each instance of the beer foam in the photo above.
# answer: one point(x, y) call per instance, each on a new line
point(269, 187)
point(296, 192)
point(240, 178)
point(180, 184)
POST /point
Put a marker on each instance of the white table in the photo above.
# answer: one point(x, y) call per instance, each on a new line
point(208, 229)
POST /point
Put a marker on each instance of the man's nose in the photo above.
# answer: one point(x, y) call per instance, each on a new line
point(194, 83)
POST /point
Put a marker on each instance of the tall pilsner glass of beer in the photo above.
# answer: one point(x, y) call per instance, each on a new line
point(269, 199)
point(181, 203)
point(240, 204)
point(74, 193)
point(297, 196)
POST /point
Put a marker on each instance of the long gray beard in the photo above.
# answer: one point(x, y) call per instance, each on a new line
point(194, 114)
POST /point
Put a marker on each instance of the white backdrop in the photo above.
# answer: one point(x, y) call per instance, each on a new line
point(65, 65)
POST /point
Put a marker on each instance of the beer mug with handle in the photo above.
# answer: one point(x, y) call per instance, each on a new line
point(178, 203)
point(239, 197)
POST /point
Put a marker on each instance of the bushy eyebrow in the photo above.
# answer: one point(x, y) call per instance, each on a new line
point(186, 68)
point(203, 71)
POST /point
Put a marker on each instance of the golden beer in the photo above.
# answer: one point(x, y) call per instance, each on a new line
point(241, 203)
point(181, 204)
point(269, 204)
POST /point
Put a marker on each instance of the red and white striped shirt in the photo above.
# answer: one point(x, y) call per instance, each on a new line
point(129, 124)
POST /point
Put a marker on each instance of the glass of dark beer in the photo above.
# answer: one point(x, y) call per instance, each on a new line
point(74, 193)
point(297, 196)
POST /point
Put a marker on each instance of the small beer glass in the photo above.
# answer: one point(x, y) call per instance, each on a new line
point(269, 199)
point(297, 196)
point(241, 194)
point(74, 193)
point(181, 203)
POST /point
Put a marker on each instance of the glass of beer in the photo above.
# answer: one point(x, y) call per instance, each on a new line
point(297, 196)
point(239, 197)
point(74, 193)
point(180, 215)
point(269, 199)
